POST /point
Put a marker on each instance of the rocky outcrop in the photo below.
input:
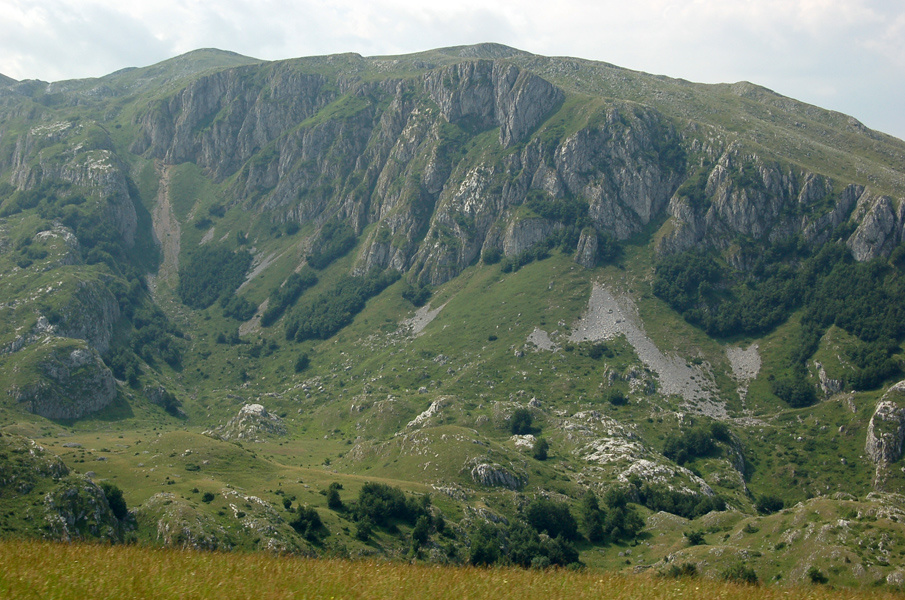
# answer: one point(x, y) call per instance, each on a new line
point(880, 229)
point(90, 314)
point(743, 196)
point(25, 464)
point(87, 161)
point(886, 430)
point(483, 94)
point(78, 509)
point(69, 380)
point(586, 254)
point(178, 524)
point(494, 475)
point(251, 423)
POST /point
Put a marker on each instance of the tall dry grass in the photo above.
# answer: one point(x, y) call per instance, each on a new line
point(50, 571)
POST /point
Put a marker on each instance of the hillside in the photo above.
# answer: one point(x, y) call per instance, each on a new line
point(406, 306)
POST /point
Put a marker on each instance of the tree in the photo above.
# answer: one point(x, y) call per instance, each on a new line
point(115, 500)
point(421, 532)
point(593, 518)
point(334, 502)
point(552, 517)
point(485, 548)
point(520, 422)
point(541, 447)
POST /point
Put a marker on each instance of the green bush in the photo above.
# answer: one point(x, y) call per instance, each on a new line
point(285, 296)
point(740, 573)
point(686, 569)
point(327, 313)
point(815, 575)
point(695, 537)
point(307, 522)
point(380, 503)
point(767, 504)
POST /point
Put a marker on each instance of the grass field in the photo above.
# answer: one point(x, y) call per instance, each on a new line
point(60, 571)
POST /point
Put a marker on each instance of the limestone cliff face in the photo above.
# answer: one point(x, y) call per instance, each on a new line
point(743, 196)
point(442, 160)
point(64, 379)
point(886, 431)
point(81, 155)
point(484, 94)
point(881, 228)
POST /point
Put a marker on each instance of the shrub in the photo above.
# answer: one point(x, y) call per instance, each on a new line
point(491, 256)
point(308, 523)
point(593, 518)
point(380, 503)
point(695, 537)
point(210, 272)
point(207, 497)
point(484, 547)
point(684, 570)
point(334, 502)
point(768, 504)
point(740, 573)
point(616, 397)
point(334, 240)
point(302, 363)
point(418, 295)
point(817, 576)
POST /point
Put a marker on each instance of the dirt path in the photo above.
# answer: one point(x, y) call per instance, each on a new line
point(167, 232)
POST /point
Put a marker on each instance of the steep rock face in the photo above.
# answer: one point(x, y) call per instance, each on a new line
point(221, 119)
point(88, 162)
point(90, 315)
point(880, 229)
point(483, 94)
point(586, 253)
point(886, 430)
point(766, 203)
point(72, 381)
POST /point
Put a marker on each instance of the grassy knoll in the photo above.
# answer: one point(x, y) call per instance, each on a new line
point(50, 571)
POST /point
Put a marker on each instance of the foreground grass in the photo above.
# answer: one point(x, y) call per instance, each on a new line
point(50, 570)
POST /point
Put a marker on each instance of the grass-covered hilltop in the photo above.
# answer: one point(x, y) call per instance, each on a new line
point(471, 306)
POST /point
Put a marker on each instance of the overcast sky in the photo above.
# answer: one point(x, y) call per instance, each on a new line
point(846, 55)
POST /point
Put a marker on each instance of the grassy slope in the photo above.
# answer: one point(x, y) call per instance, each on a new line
point(40, 570)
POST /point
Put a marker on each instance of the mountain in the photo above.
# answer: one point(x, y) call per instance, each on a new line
point(454, 292)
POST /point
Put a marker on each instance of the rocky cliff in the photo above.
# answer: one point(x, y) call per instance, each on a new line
point(443, 159)
point(886, 432)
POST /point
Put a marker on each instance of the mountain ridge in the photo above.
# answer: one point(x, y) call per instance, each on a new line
point(507, 283)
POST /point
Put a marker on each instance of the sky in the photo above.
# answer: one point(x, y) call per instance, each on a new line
point(845, 55)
